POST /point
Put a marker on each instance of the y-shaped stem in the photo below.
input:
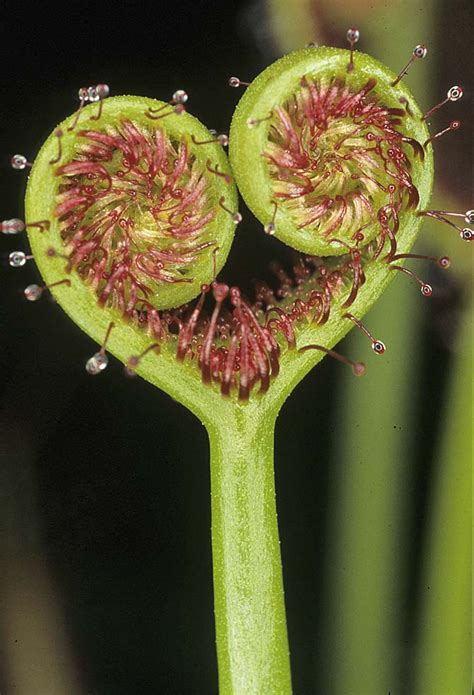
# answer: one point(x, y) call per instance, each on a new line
point(252, 644)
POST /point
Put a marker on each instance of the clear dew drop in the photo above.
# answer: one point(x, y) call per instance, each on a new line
point(466, 234)
point(236, 218)
point(269, 228)
point(420, 51)
point(353, 35)
point(180, 97)
point(97, 363)
point(93, 94)
point(378, 347)
point(33, 292)
point(455, 93)
point(16, 259)
point(223, 139)
point(13, 226)
point(18, 161)
point(103, 90)
point(469, 217)
point(426, 290)
point(234, 82)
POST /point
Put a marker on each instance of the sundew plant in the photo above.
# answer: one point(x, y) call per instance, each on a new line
point(131, 209)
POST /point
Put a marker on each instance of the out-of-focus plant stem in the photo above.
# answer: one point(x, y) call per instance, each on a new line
point(366, 574)
point(366, 577)
point(292, 24)
point(365, 564)
point(444, 647)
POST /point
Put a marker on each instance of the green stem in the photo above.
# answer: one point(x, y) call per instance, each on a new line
point(252, 644)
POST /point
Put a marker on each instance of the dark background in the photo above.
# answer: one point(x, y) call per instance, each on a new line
point(107, 479)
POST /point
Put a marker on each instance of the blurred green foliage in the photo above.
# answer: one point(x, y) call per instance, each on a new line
point(365, 649)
